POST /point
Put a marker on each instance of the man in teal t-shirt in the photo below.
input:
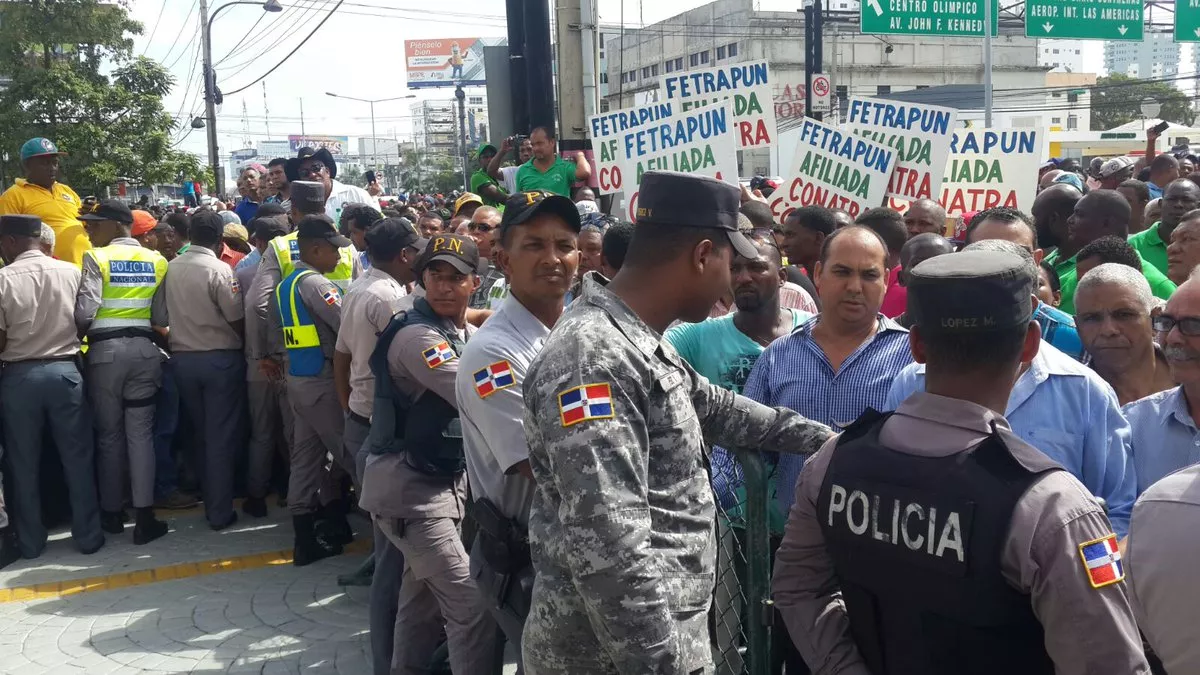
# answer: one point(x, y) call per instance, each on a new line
point(724, 350)
point(546, 170)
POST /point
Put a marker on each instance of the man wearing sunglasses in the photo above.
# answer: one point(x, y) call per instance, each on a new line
point(318, 166)
point(482, 228)
point(1165, 434)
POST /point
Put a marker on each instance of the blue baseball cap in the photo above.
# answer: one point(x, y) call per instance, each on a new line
point(37, 147)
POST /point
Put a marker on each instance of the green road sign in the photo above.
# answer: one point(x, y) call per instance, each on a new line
point(1187, 20)
point(1084, 19)
point(926, 17)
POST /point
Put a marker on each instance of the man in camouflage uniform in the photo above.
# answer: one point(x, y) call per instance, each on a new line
point(621, 526)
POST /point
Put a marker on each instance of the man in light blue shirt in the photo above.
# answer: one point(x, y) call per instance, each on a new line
point(1165, 435)
point(841, 362)
point(1068, 412)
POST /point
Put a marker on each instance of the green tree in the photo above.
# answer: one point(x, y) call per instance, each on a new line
point(351, 175)
point(73, 78)
point(1117, 99)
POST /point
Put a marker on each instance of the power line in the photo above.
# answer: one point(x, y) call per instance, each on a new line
point(289, 55)
point(291, 29)
point(287, 24)
point(246, 35)
point(181, 32)
point(155, 29)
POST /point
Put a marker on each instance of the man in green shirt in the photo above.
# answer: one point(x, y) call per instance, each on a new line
point(481, 183)
point(1098, 214)
point(1178, 198)
point(547, 171)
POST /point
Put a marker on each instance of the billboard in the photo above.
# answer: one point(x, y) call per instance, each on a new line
point(272, 149)
point(447, 62)
point(336, 145)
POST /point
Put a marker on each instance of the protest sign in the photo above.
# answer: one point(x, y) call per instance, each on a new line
point(607, 131)
point(992, 167)
point(919, 134)
point(835, 169)
point(747, 85)
point(699, 141)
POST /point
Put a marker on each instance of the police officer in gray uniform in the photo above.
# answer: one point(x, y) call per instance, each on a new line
point(114, 309)
point(537, 249)
point(203, 305)
point(415, 487)
point(41, 386)
point(270, 412)
point(394, 246)
point(933, 540)
point(622, 521)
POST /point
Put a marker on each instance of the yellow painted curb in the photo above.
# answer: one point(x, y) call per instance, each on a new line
point(58, 589)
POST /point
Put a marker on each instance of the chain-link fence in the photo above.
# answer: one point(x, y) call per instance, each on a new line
point(742, 609)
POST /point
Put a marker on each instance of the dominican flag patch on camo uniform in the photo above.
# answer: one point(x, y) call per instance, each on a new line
point(493, 378)
point(1102, 560)
point(585, 402)
point(438, 354)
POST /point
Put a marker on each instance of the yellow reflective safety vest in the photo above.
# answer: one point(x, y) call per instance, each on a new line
point(287, 252)
point(131, 276)
point(305, 357)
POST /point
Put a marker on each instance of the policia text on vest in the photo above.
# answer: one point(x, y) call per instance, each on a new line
point(883, 514)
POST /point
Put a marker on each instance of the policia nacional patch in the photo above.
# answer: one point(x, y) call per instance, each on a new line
point(438, 354)
point(1102, 560)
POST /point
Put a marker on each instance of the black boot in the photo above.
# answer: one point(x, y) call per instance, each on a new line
point(113, 522)
point(332, 525)
point(148, 528)
point(255, 507)
point(9, 552)
point(307, 548)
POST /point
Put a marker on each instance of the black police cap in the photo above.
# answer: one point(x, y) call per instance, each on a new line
point(306, 193)
point(21, 226)
point(522, 206)
point(390, 236)
point(969, 292)
point(689, 200)
point(320, 227)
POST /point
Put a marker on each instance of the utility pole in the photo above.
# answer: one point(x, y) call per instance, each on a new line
point(576, 75)
point(301, 118)
point(462, 134)
point(538, 56)
point(987, 63)
point(210, 104)
point(813, 52)
point(515, 10)
point(266, 111)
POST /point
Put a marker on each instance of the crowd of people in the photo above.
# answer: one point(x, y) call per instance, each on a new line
point(980, 431)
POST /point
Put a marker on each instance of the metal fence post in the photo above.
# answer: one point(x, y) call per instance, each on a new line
point(758, 563)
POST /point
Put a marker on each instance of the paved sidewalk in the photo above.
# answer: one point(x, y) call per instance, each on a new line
point(270, 618)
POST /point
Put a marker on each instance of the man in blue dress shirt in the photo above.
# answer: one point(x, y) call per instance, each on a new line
point(1165, 436)
point(1064, 409)
point(841, 362)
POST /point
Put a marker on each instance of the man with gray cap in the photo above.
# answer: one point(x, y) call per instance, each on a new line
point(622, 521)
point(41, 387)
point(983, 555)
point(1114, 172)
point(124, 366)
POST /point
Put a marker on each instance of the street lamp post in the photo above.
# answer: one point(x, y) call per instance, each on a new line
point(372, 102)
point(210, 84)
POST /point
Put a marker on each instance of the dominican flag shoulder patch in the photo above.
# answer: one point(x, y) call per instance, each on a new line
point(438, 354)
point(585, 402)
point(332, 297)
point(1102, 560)
point(493, 378)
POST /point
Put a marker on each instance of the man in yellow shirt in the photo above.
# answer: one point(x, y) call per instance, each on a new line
point(40, 194)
